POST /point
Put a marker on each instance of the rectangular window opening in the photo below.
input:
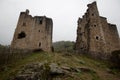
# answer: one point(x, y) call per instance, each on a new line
point(24, 24)
point(40, 21)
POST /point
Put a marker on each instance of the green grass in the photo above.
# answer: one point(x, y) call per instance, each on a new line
point(99, 68)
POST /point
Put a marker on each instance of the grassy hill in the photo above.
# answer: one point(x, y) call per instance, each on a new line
point(98, 70)
point(66, 65)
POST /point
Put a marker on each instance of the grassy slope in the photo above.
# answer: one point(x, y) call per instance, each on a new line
point(63, 60)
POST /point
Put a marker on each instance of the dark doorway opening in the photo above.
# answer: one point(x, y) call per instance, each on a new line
point(40, 44)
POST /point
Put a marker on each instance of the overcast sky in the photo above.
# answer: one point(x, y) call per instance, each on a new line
point(64, 13)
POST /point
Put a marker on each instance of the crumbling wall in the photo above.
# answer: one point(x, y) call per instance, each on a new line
point(111, 35)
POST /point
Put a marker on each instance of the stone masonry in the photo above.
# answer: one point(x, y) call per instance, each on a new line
point(95, 35)
point(33, 33)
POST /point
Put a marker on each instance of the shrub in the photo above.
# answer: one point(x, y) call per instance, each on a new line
point(115, 58)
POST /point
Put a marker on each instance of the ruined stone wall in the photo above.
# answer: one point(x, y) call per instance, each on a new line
point(111, 35)
point(95, 35)
point(33, 33)
point(96, 39)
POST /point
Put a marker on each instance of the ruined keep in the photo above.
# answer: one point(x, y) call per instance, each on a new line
point(33, 33)
point(95, 35)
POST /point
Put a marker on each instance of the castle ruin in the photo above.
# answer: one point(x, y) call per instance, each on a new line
point(33, 33)
point(95, 35)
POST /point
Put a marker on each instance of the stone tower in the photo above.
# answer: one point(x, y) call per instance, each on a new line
point(95, 35)
point(33, 33)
